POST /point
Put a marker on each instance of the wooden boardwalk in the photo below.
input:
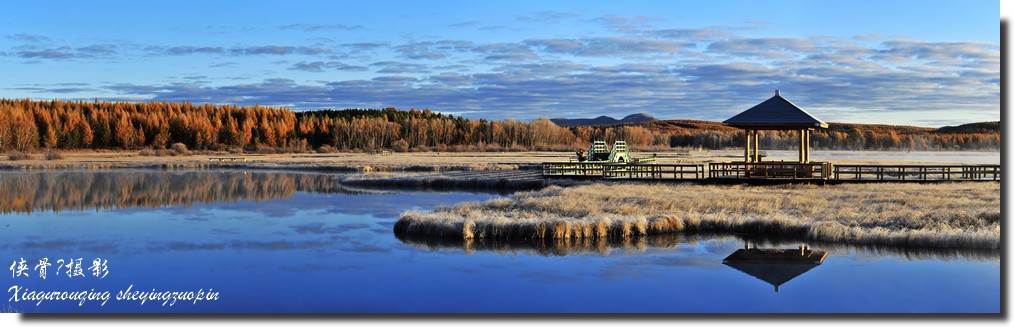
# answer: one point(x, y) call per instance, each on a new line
point(572, 169)
point(623, 171)
point(917, 172)
point(243, 159)
point(769, 170)
point(773, 171)
point(653, 171)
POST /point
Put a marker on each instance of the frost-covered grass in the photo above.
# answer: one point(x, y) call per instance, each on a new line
point(947, 215)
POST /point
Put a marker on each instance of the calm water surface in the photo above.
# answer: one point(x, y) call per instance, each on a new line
point(285, 242)
point(896, 157)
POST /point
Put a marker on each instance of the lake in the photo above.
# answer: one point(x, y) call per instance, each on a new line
point(277, 242)
point(895, 157)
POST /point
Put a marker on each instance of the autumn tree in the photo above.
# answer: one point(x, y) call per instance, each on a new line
point(26, 124)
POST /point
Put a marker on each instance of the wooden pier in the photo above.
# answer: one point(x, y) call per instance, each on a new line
point(773, 171)
point(769, 170)
point(917, 172)
point(572, 169)
point(653, 171)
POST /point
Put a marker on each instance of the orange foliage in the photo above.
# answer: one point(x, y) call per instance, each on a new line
point(27, 124)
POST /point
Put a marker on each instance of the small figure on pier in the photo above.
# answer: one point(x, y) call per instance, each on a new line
point(580, 155)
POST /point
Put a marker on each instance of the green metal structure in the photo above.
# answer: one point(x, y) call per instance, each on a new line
point(620, 154)
point(598, 151)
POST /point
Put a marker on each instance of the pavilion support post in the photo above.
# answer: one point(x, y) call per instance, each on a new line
point(806, 145)
point(746, 152)
point(756, 146)
point(809, 141)
point(802, 144)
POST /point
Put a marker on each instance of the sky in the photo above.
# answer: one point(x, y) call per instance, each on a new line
point(923, 63)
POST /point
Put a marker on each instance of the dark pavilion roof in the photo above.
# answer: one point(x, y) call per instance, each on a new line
point(774, 266)
point(775, 113)
point(773, 273)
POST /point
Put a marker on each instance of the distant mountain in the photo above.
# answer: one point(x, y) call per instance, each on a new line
point(638, 118)
point(973, 128)
point(603, 120)
point(699, 126)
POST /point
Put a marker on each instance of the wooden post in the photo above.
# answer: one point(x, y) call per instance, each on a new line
point(806, 146)
point(756, 146)
point(746, 153)
point(801, 144)
point(809, 135)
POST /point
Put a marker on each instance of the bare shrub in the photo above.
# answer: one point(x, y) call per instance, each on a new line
point(218, 147)
point(180, 149)
point(153, 152)
point(326, 149)
point(400, 146)
point(264, 149)
point(53, 155)
point(18, 155)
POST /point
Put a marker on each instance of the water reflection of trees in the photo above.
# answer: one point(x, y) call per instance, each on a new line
point(643, 244)
point(547, 247)
point(26, 192)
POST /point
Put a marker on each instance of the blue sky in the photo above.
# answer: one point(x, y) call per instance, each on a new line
point(926, 63)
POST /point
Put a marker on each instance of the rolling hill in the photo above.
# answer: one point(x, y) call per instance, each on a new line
point(602, 120)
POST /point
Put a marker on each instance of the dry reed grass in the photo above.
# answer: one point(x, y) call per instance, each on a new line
point(965, 215)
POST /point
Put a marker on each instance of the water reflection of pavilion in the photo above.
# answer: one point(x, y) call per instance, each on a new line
point(775, 266)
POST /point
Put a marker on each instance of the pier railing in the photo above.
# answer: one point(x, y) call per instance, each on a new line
point(774, 171)
point(769, 170)
point(572, 169)
point(653, 171)
point(917, 172)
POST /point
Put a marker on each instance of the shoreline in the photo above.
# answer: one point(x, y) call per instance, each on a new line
point(943, 215)
point(444, 161)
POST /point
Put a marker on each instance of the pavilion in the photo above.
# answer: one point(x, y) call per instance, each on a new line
point(777, 113)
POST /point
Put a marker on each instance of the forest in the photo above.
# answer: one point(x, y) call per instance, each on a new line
point(32, 125)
